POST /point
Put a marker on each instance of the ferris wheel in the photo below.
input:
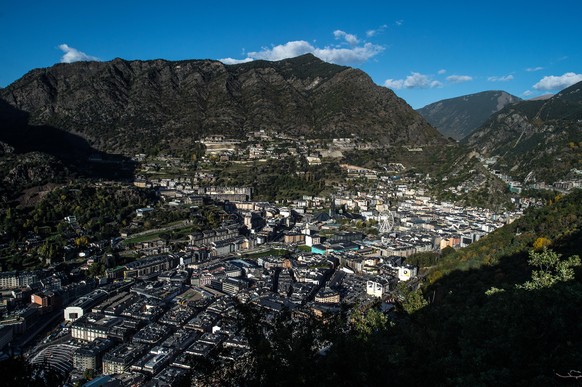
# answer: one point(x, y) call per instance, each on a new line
point(385, 222)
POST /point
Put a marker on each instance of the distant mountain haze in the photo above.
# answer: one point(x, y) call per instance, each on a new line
point(541, 97)
point(458, 117)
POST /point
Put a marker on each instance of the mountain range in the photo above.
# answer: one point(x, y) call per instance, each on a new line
point(543, 137)
point(458, 117)
point(130, 107)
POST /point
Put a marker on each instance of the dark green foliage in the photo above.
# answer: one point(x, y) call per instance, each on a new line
point(447, 251)
point(511, 337)
point(545, 195)
point(411, 300)
point(549, 269)
point(100, 211)
point(96, 269)
point(284, 179)
point(424, 259)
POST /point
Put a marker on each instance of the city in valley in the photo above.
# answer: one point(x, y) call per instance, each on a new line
point(235, 194)
point(168, 288)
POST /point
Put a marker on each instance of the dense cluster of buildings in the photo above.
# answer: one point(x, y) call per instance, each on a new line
point(152, 324)
point(150, 317)
point(147, 319)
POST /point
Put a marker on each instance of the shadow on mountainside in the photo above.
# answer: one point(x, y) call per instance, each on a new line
point(481, 329)
point(72, 150)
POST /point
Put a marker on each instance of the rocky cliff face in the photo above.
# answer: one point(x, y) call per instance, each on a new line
point(23, 170)
point(139, 106)
point(543, 136)
point(458, 117)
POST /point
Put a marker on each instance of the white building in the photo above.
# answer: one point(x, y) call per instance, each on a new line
point(406, 272)
point(377, 288)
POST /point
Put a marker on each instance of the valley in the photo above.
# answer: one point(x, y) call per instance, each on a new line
point(178, 222)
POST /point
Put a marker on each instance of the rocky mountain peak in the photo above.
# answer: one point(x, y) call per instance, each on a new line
point(458, 117)
point(131, 106)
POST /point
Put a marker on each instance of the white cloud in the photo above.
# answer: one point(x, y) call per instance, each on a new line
point(378, 30)
point(351, 39)
point(553, 82)
point(395, 84)
point(283, 51)
point(504, 78)
point(527, 93)
point(442, 71)
point(229, 61)
point(73, 55)
point(342, 56)
point(399, 22)
point(532, 69)
point(345, 56)
point(413, 81)
point(459, 78)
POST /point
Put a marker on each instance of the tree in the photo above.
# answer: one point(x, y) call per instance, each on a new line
point(97, 269)
point(551, 269)
point(423, 259)
point(89, 374)
point(541, 242)
point(50, 250)
point(81, 241)
point(447, 251)
point(411, 300)
point(368, 322)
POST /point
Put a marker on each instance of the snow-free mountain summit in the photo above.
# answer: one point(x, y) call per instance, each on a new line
point(458, 117)
point(540, 140)
point(137, 106)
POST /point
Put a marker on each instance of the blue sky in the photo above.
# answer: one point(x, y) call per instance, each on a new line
point(424, 51)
